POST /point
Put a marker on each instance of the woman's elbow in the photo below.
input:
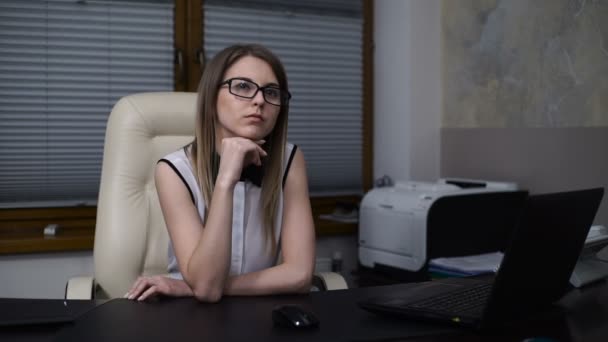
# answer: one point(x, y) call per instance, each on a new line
point(207, 294)
point(303, 282)
point(204, 289)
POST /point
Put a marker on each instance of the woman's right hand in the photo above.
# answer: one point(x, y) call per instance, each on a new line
point(238, 153)
point(148, 287)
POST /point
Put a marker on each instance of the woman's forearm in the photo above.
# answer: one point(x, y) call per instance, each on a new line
point(209, 265)
point(282, 278)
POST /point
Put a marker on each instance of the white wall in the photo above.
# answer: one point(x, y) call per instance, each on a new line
point(392, 89)
point(41, 275)
point(407, 88)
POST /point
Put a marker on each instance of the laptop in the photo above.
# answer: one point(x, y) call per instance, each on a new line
point(19, 312)
point(534, 272)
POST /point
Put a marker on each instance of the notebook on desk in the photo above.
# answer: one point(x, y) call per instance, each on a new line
point(534, 272)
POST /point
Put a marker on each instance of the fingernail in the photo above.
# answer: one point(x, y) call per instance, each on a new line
point(131, 297)
point(126, 295)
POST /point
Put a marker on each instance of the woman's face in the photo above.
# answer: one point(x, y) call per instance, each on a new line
point(242, 117)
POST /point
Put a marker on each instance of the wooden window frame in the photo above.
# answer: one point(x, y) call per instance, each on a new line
point(22, 229)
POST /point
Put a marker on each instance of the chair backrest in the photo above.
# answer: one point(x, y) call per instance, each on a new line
point(130, 235)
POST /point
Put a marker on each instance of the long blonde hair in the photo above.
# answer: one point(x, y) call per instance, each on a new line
point(203, 151)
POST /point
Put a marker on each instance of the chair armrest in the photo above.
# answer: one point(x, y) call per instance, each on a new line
point(80, 288)
point(329, 281)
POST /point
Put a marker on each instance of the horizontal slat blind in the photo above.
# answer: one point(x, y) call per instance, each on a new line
point(322, 53)
point(63, 65)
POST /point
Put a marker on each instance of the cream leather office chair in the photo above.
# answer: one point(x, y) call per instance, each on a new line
point(130, 235)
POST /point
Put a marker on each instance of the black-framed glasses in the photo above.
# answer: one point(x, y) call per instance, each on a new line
point(248, 89)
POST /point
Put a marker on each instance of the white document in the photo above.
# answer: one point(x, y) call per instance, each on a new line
point(480, 263)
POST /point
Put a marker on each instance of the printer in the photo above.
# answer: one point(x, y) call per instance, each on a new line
point(392, 220)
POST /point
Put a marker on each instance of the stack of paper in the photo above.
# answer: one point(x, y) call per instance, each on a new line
point(466, 265)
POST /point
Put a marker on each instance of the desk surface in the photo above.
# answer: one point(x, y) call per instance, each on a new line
point(582, 318)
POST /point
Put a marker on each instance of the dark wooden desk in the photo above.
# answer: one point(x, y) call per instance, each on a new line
point(582, 317)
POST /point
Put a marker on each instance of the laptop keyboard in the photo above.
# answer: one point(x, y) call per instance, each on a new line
point(467, 302)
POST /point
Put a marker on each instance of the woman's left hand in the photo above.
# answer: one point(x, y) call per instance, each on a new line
point(148, 287)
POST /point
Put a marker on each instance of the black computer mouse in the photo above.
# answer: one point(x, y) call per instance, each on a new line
point(293, 316)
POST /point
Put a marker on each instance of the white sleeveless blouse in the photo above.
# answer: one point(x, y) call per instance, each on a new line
point(249, 253)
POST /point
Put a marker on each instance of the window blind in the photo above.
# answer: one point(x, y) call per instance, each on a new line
point(63, 65)
point(320, 44)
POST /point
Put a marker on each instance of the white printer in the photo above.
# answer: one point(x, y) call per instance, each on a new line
point(392, 220)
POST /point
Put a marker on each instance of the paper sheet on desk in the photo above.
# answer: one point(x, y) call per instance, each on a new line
point(340, 218)
point(469, 265)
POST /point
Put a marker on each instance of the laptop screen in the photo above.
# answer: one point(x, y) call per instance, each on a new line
point(543, 251)
point(18, 311)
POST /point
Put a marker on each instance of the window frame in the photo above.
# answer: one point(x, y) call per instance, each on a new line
point(22, 229)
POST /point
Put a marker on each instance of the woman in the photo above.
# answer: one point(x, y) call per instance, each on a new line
point(238, 194)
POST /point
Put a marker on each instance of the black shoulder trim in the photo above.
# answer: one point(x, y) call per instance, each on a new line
point(180, 176)
point(293, 153)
